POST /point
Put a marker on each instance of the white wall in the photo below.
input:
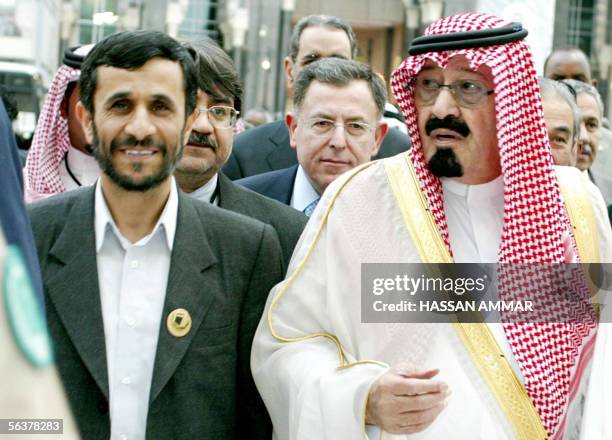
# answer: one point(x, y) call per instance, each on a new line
point(537, 16)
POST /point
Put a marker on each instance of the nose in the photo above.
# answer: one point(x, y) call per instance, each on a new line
point(584, 134)
point(202, 123)
point(338, 137)
point(445, 104)
point(140, 125)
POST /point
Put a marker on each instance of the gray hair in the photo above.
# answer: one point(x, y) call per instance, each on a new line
point(549, 88)
point(581, 87)
point(339, 72)
point(328, 21)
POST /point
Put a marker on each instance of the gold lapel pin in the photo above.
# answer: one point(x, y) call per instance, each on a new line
point(179, 322)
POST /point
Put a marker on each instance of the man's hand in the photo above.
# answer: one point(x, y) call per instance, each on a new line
point(406, 400)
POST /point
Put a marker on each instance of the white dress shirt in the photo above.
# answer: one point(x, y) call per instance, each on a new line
point(303, 191)
point(83, 167)
point(206, 191)
point(475, 218)
point(132, 279)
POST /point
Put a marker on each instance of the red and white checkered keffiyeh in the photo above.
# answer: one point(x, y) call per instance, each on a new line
point(535, 219)
point(51, 139)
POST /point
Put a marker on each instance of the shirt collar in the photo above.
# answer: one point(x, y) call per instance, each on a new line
point(103, 220)
point(303, 191)
point(206, 191)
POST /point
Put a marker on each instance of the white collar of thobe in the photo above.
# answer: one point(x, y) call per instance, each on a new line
point(83, 166)
point(474, 192)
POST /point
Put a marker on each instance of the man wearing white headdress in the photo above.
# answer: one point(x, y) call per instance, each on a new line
point(478, 186)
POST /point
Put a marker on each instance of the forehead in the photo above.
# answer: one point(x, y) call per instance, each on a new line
point(588, 105)
point(325, 42)
point(457, 66)
point(556, 108)
point(352, 100)
point(570, 60)
point(142, 82)
point(207, 99)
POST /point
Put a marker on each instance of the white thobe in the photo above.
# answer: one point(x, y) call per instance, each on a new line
point(84, 168)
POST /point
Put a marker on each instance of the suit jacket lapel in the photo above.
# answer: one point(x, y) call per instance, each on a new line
point(73, 287)
point(188, 281)
point(282, 156)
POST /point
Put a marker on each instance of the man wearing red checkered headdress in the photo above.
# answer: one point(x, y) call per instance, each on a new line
point(60, 159)
point(478, 187)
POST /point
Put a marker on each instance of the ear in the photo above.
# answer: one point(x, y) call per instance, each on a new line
point(381, 132)
point(594, 82)
point(292, 122)
point(86, 120)
point(288, 64)
point(64, 107)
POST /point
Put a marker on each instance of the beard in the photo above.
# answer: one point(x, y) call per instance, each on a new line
point(104, 156)
point(444, 163)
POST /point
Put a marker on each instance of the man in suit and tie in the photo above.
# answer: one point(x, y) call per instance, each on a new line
point(336, 126)
point(267, 148)
point(210, 144)
point(152, 297)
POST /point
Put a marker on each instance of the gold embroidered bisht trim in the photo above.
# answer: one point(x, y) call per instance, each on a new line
point(582, 217)
point(481, 345)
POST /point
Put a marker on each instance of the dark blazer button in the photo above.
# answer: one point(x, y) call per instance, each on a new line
point(103, 406)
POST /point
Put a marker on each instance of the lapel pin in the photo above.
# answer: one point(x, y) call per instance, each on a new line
point(179, 322)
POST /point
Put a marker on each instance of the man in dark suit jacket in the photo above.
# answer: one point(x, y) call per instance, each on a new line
point(267, 147)
point(152, 297)
point(329, 95)
point(209, 145)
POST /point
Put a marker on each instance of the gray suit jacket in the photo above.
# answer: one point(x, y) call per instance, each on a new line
point(223, 266)
point(287, 222)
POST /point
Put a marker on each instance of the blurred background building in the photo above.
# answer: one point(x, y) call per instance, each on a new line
point(34, 33)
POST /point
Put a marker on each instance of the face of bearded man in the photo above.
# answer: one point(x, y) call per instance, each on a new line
point(459, 140)
point(138, 128)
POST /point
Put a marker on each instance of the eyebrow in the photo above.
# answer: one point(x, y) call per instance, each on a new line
point(164, 98)
point(463, 69)
point(562, 129)
point(117, 96)
point(316, 56)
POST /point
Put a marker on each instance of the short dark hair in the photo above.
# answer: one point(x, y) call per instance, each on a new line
point(566, 49)
point(328, 21)
point(339, 72)
point(215, 71)
point(131, 50)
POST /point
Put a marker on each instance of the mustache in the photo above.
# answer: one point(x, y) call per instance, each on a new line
point(448, 122)
point(197, 138)
point(131, 141)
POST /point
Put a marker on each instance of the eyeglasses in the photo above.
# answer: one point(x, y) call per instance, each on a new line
point(468, 93)
point(325, 127)
point(220, 116)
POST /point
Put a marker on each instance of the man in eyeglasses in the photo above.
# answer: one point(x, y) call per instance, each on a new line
point(336, 125)
point(199, 171)
point(338, 353)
